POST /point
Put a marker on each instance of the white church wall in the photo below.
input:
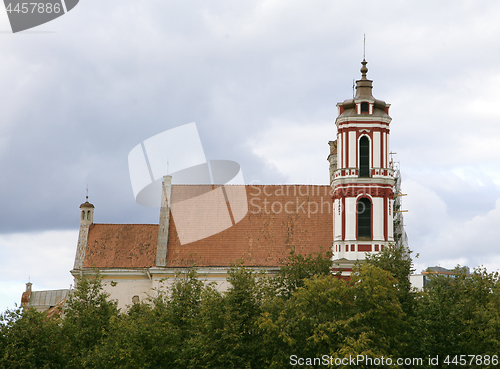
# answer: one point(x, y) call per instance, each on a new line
point(122, 286)
point(123, 290)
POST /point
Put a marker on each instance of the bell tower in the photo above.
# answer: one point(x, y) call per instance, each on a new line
point(361, 177)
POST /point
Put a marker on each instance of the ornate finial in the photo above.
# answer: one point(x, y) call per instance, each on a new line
point(364, 85)
point(364, 69)
point(87, 197)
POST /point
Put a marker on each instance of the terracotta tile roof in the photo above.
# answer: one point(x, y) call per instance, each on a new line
point(302, 220)
point(121, 246)
point(280, 218)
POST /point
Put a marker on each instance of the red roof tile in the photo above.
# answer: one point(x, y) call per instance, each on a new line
point(280, 218)
point(121, 246)
point(302, 220)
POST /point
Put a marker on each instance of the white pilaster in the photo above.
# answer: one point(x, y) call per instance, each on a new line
point(352, 149)
point(390, 209)
point(344, 151)
point(350, 218)
point(376, 150)
point(378, 218)
point(337, 220)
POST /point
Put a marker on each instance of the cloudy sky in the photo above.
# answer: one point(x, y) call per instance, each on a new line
point(261, 79)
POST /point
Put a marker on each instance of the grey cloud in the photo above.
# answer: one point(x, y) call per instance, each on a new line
point(114, 73)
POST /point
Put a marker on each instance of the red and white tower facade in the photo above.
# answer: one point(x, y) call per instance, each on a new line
point(361, 177)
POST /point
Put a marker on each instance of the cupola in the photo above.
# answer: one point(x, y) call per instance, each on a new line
point(86, 212)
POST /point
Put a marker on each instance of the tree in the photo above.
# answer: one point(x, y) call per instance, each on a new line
point(333, 316)
point(299, 268)
point(489, 337)
point(458, 314)
point(30, 339)
point(87, 321)
point(158, 332)
point(229, 334)
point(397, 260)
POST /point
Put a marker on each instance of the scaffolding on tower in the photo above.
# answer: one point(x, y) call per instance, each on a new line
point(400, 236)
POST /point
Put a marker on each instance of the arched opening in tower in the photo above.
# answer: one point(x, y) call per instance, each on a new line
point(364, 157)
point(364, 219)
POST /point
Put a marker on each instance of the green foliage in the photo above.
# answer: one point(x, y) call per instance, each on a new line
point(458, 314)
point(377, 308)
point(397, 260)
point(30, 339)
point(298, 269)
point(87, 320)
point(229, 336)
point(489, 316)
point(260, 321)
point(333, 316)
point(156, 333)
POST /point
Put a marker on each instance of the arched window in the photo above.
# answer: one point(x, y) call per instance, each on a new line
point(83, 214)
point(88, 215)
point(364, 219)
point(364, 107)
point(364, 157)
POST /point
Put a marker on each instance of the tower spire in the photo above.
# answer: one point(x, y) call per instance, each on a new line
point(364, 69)
point(364, 45)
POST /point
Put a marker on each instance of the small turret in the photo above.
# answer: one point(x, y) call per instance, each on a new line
point(25, 299)
point(86, 220)
point(86, 213)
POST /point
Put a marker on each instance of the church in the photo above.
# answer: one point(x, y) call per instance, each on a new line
point(355, 215)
